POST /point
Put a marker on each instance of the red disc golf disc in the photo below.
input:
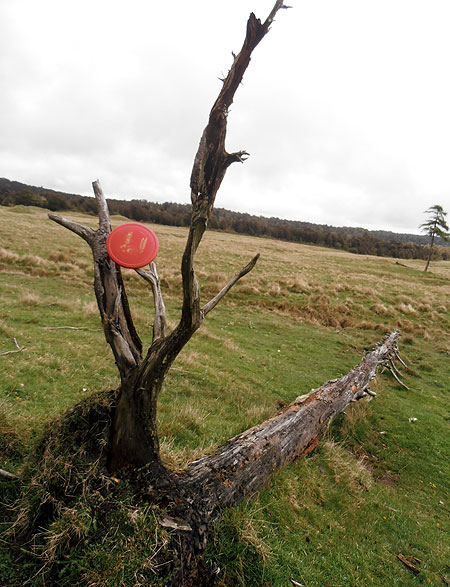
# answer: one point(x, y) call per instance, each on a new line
point(132, 245)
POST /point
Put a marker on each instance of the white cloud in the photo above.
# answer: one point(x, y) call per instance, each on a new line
point(344, 108)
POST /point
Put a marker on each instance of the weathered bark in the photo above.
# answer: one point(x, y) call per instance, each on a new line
point(112, 301)
point(242, 466)
point(134, 438)
point(245, 463)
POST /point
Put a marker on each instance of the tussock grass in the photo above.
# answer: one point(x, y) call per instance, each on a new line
point(248, 289)
point(405, 308)
point(381, 310)
point(31, 299)
point(303, 316)
point(69, 503)
point(298, 285)
point(8, 256)
point(345, 468)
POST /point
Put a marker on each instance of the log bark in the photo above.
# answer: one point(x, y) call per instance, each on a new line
point(245, 464)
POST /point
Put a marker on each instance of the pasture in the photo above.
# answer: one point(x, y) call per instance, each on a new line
point(377, 486)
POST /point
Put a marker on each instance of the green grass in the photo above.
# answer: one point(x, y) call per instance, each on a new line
point(377, 485)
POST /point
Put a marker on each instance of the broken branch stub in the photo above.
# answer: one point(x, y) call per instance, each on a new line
point(159, 323)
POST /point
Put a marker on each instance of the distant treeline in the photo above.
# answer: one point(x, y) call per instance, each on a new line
point(354, 240)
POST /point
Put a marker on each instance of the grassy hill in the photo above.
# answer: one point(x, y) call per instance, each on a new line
point(378, 485)
point(345, 238)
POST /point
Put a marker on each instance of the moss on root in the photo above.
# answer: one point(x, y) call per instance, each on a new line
point(68, 461)
point(73, 523)
point(63, 482)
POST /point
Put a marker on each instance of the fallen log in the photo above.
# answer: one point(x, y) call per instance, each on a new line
point(244, 464)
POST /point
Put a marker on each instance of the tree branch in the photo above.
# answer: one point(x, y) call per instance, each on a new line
point(159, 324)
point(223, 292)
point(394, 366)
point(19, 349)
point(397, 355)
point(118, 326)
point(278, 6)
point(211, 163)
point(7, 475)
point(238, 157)
point(104, 219)
point(85, 232)
point(396, 377)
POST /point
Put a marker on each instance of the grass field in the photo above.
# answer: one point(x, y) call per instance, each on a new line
point(378, 485)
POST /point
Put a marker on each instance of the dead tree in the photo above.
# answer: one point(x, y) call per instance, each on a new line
point(245, 463)
point(134, 436)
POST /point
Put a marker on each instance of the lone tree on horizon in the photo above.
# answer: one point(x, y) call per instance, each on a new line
point(435, 226)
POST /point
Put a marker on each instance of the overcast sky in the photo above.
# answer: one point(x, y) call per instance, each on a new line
point(345, 108)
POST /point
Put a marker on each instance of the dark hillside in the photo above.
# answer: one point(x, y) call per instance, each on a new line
point(355, 240)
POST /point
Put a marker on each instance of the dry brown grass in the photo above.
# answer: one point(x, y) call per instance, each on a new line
point(40, 266)
point(321, 310)
point(90, 308)
point(346, 468)
point(405, 308)
point(366, 325)
point(381, 310)
point(298, 285)
point(34, 261)
point(408, 326)
point(216, 277)
point(171, 280)
point(8, 256)
point(320, 286)
point(31, 299)
point(248, 289)
point(59, 257)
point(275, 289)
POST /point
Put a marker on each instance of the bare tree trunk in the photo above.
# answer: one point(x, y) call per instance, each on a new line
point(430, 252)
point(134, 438)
